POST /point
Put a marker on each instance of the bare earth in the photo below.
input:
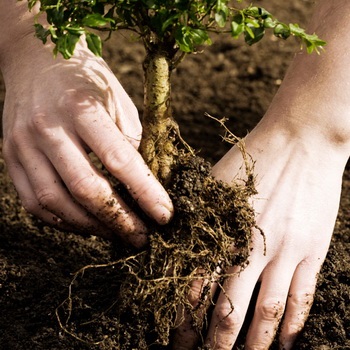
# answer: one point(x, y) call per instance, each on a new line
point(228, 80)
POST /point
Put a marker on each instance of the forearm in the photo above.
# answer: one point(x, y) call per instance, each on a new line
point(16, 24)
point(315, 95)
point(15, 21)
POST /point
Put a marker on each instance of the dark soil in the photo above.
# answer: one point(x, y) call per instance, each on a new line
point(228, 80)
point(149, 286)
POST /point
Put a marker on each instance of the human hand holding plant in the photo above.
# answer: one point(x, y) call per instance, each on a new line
point(300, 149)
point(297, 203)
point(168, 31)
point(54, 116)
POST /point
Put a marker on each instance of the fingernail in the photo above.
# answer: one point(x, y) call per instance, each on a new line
point(164, 212)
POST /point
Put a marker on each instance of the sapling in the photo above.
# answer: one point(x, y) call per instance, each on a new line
point(211, 217)
point(169, 30)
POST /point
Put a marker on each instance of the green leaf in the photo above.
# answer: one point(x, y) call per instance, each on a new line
point(53, 34)
point(253, 22)
point(282, 31)
point(75, 30)
point(238, 18)
point(221, 13)
point(55, 16)
point(94, 43)
point(171, 20)
point(296, 30)
point(311, 41)
point(187, 22)
point(253, 11)
point(258, 35)
point(269, 23)
point(221, 18)
point(96, 20)
point(151, 4)
point(264, 14)
point(66, 44)
point(199, 36)
point(236, 29)
point(189, 38)
point(248, 30)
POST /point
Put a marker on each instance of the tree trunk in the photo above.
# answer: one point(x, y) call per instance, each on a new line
point(160, 131)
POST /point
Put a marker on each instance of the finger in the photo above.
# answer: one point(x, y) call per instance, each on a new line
point(43, 195)
point(126, 164)
point(27, 195)
point(127, 116)
point(114, 99)
point(28, 198)
point(231, 308)
point(94, 192)
point(191, 319)
point(299, 302)
point(270, 305)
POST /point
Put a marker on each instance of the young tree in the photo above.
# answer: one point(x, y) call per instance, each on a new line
point(169, 30)
point(211, 217)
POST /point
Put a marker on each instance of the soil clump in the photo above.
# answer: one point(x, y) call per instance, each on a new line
point(210, 232)
point(37, 262)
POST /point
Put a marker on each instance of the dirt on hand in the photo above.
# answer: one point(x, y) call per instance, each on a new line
point(37, 263)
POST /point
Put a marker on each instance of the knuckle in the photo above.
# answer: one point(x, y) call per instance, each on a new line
point(40, 126)
point(117, 160)
point(47, 198)
point(270, 309)
point(301, 299)
point(85, 185)
point(15, 142)
point(229, 318)
point(72, 98)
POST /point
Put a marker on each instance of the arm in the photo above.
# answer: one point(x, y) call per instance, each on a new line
point(56, 112)
point(300, 148)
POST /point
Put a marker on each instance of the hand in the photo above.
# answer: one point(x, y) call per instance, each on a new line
point(298, 185)
point(300, 148)
point(56, 112)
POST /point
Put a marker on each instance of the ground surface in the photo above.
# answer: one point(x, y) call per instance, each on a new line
point(228, 80)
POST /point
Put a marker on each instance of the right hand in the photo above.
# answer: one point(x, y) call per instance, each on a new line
point(298, 181)
point(56, 112)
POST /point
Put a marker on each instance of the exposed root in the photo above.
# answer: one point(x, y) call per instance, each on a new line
point(210, 232)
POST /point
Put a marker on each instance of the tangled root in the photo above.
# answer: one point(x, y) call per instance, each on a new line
point(210, 232)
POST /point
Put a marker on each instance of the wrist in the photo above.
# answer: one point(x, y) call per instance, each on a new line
point(302, 116)
point(274, 146)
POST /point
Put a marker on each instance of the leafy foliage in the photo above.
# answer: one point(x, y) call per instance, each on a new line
point(181, 25)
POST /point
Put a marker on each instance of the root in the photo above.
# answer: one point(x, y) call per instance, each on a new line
point(210, 233)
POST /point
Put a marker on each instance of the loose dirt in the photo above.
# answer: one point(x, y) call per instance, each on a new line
point(37, 262)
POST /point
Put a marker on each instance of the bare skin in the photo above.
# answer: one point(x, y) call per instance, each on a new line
point(300, 148)
point(55, 113)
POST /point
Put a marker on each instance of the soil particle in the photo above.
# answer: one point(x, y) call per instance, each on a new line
point(37, 262)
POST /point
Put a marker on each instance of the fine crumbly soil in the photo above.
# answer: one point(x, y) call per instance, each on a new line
point(228, 80)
